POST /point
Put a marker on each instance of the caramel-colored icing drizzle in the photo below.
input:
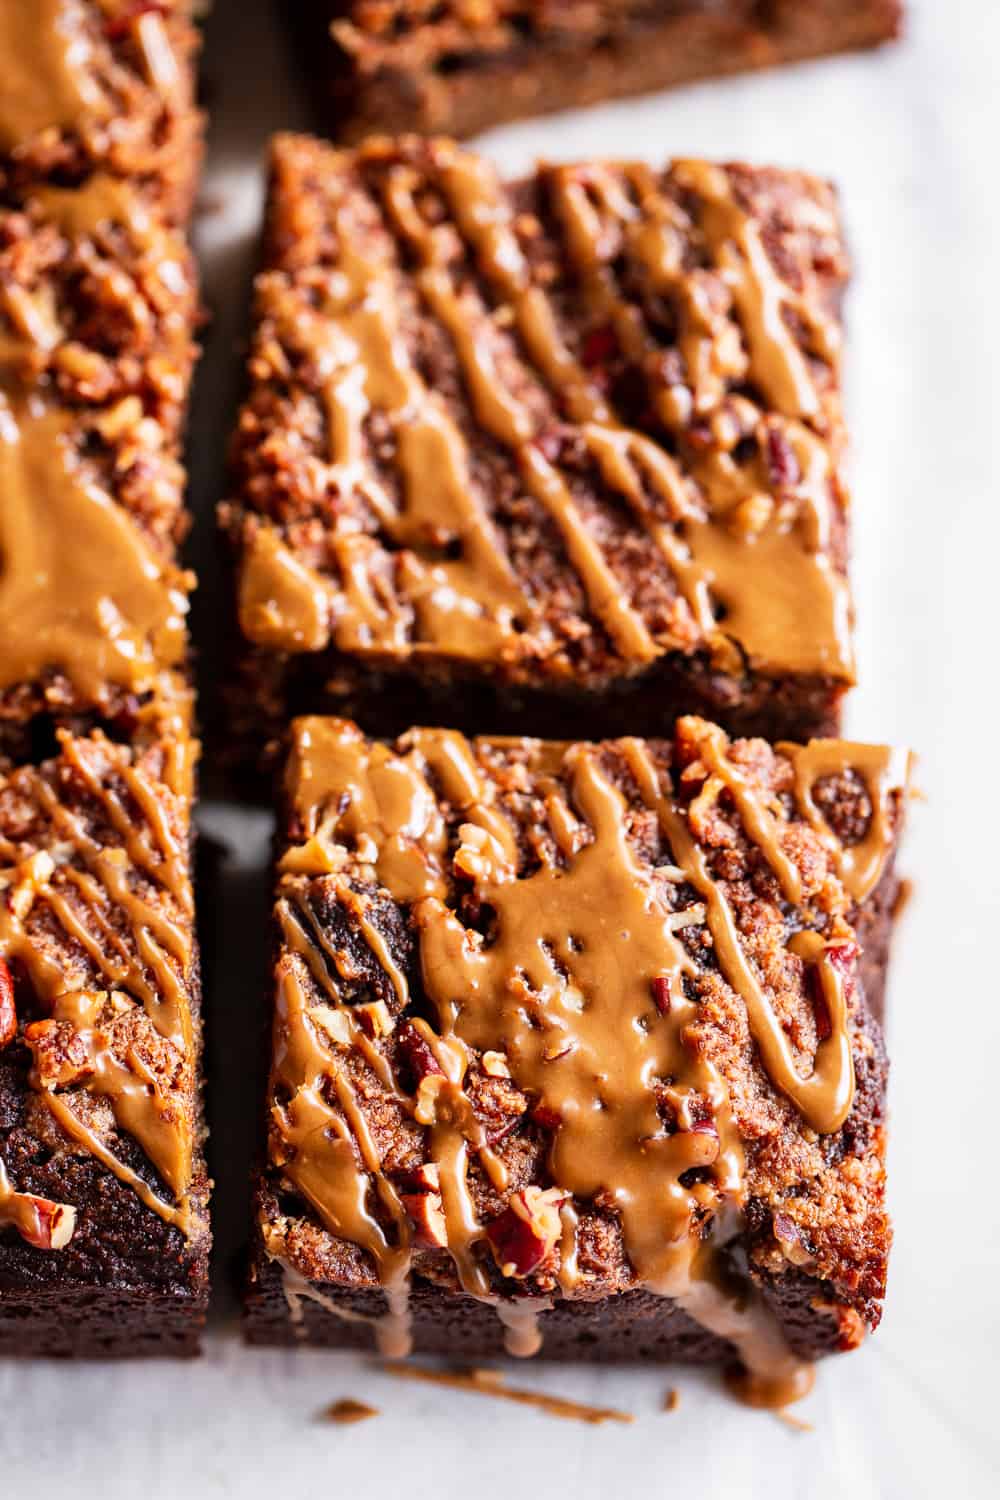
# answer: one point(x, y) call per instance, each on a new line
point(80, 591)
point(564, 992)
point(466, 605)
point(346, 1411)
point(886, 775)
point(142, 953)
point(101, 199)
point(48, 78)
point(492, 1383)
point(729, 540)
point(45, 81)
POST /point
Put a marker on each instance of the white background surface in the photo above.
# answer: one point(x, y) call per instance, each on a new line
point(910, 136)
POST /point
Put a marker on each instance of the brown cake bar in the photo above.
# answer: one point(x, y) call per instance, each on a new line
point(99, 85)
point(103, 1190)
point(555, 458)
point(463, 66)
point(98, 303)
point(576, 1037)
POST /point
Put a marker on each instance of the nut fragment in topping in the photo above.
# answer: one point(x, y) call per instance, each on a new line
point(30, 876)
point(56, 1223)
point(561, 1047)
point(420, 1193)
point(480, 856)
point(694, 773)
point(789, 1237)
point(374, 1019)
point(782, 464)
point(430, 1230)
point(441, 1102)
point(418, 1053)
point(422, 1179)
point(525, 1235)
point(8, 1013)
point(120, 418)
point(495, 1064)
point(660, 986)
point(61, 1055)
point(751, 515)
point(842, 957)
point(335, 1023)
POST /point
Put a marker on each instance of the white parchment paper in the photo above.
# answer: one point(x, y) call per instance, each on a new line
point(910, 135)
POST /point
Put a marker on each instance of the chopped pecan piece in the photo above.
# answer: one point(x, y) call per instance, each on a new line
point(420, 1194)
point(417, 1053)
point(61, 1055)
point(39, 1221)
point(8, 1011)
point(525, 1235)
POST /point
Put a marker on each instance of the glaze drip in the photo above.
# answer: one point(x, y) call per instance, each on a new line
point(492, 1383)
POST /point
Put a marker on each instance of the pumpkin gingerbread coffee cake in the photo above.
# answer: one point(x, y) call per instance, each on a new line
point(559, 457)
point(575, 1048)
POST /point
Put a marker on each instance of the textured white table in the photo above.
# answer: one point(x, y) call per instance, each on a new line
point(909, 135)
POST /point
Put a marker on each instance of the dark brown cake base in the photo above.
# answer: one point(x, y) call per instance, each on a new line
point(461, 94)
point(270, 690)
point(91, 1324)
point(631, 1328)
point(128, 1284)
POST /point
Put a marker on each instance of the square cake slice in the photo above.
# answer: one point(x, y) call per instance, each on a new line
point(98, 305)
point(99, 86)
point(546, 458)
point(103, 1190)
point(466, 65)
point(574, 1049)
